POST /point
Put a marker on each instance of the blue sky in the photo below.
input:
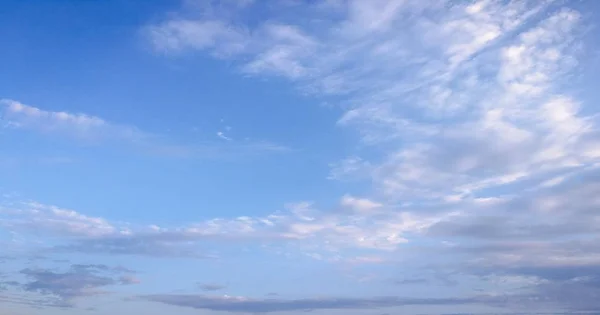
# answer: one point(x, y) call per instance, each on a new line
point(274, 157)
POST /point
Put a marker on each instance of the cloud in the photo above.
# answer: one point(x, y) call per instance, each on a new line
point(242, 304)
point(300, 225)
point(139, 244)
point(545, 239)
point(183, 34)
point(39, 218)
point(221, 135)
point(16, 115)
point(325, 232)
point(79, 281)
point(91, 129)
point(411, 281)
point(555, 212)
point(211, 287)
point(125, 280)
point(349, 168)
point(359, 204)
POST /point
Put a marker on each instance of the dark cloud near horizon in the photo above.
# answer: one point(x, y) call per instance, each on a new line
point(270, 305)
point(60, 289)
point(511, 304)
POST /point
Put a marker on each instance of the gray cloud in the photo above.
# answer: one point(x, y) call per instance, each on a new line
point(4, 285)
point(125, 280)
point(567, 286)
point(4, 259)
point(577, 301)
point(430, 278)
point(238, 304)
point(211, 286)
point(101, 267)
point(65, 285)
point(568, 209)
point(545, 240)
point(575, 295)
point(411, 281)
point(62, 288)
point(32, 302)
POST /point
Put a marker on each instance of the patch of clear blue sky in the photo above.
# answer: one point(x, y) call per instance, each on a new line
point(88, 56)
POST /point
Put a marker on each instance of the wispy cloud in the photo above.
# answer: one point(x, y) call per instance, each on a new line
point(222, 135)
point(299, 224)
point(359, 204)
point(91, 129)
point(40, 218)
point(17, 115)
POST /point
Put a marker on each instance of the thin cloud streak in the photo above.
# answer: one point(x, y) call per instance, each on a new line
point(95, 130)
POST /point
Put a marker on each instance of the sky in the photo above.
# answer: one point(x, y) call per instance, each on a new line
point(356, 157)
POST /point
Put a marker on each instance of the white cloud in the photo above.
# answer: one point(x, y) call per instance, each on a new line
point(359, 204)
point(39, 218)
point(179, 35)
point(301, 225)
point(221, 135)
point(16, 115)
point(349, 167)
